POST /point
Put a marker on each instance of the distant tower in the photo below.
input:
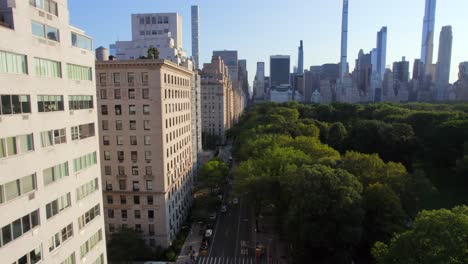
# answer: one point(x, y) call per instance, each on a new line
point(195, 37)
point(443, 61)
point(344, 41)
point(300, 63)
point(427, 46)
point(381, 51)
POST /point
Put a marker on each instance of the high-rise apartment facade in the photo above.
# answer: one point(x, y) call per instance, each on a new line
point(401, 70)
point(145, 120)
point(300, 60)
point(381, 52)
point(344, 41)
point(259, 82)
point(217, 97)
point(444, 60)
point(195, 37)
point(230, 59)
point(50, 189)
point(427, 45)
point(280, 68)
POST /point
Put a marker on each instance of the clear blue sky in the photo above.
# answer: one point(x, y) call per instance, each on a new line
point(260, 28)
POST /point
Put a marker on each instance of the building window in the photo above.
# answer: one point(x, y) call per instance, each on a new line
point(89, 216)
point(149, 170)
point(14, 104)
point(102, 78)
point(87, 189)
point(118, 109)
point(84, 162)
point(106, 140)
point(78, 102)
point(104, 110)
point(118, 124)
point(111, 226)
point(149, 185)
point(49, 103)
point(110, 199)
point(136, 186)
point(107, 170)
point(144, 78)
point(103, 94)
point(108, 186)
point(142, 20)
point(160, 20)
point(146, 125)
point(147, 140)
point(148, 20)
point(134, 156)
point(79, 73)
point(82, 42)
point(133, 140)
point(121, 170)
point(153, 20)
point(70, 260)
point(123, 214)
point(149, 199)
point(17, 188)
point(131, 93)
point(132, 110)
point(146, 109)
point(150, 214)
point(117, 94)
point(47, 68)
point(48, 6)
point(61, 237)
point(122, 185)
point(147, 155)
point(120, 155)
point(19, 227)
point(131, 77)
point(145, 93)
point(83, 131)
point(132, 124)
point(56, 206)
point(53, 137)
point(13, 63)
point(12, 146)
point(119, 140)
point(55, 173)
point(166, 20)
point(142, 32)
point(110, 213)
point(137, 216)
point(123, 199)
point(116, 78)
point(134, 170)
point(107, 155)
point(44, 31)
point(136, 199)
point(90, 243)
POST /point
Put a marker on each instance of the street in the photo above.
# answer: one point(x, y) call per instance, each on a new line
point(232, 239)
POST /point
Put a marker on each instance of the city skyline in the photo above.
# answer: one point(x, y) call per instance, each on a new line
point(311, 20)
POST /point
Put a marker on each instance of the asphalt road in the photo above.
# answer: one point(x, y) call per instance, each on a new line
point(232, 240)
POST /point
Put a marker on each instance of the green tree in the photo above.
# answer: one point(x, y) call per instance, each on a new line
point(153, 53)
point(325, 212)
point(213, 173)
point(126, 246)
point(336, 135)
point(439, 237)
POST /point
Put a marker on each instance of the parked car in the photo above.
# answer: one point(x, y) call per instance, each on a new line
point(208, 233)
point(235, 201)
point(213, 216)
point(223, 208)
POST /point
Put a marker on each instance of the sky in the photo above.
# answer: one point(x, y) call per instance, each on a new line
point(260, 28)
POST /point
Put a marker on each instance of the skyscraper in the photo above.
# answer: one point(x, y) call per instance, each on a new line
point(300, 62)
point(50, 186)
point(195, 37)
point(443, 61)
point(259, 82)
point(427, 46)
point(381, 51)
point(344, 41)
point(230, 59)
point(401, 70)
point(280, 66)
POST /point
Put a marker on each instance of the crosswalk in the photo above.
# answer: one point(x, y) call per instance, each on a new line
point(225, 260)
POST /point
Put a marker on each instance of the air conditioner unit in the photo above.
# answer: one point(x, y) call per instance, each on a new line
point(41, 14)
point(32, 196)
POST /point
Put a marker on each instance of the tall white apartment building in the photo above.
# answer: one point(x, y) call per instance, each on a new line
point(160, 30)
point(50, 183)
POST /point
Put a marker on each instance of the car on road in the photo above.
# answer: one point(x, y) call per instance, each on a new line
point(220, 197)
point(235, 201)
point(208, 233)
point(213, 216)
point(223, 208)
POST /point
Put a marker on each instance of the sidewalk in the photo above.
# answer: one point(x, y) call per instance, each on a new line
point(194, 240)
